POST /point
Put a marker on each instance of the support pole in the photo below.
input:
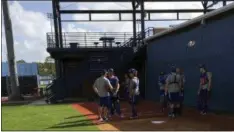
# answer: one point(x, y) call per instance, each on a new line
point(134, 22)
point(224, 3)
point(57, 43)
point(55, 15)
point(204, 4)
point(142, 19)
point(14, 83)
point(59, 26)
point(60, 36)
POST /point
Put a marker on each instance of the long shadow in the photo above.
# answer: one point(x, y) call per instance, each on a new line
point(149, 110)
point(76, 123)
point(78, 116)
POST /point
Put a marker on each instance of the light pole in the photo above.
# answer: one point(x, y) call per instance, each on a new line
point(50, 16)
point(14, 83)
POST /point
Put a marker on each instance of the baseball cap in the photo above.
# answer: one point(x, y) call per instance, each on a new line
point(132, 70)
point(111, 70)
point(104, 71)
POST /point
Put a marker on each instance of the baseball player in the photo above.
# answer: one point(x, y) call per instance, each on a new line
point(134, 92)
point(102, 87)
point(115, 102)
point(204, 89)
point(173, 85)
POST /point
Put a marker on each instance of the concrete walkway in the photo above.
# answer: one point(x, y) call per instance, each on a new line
point(38, 102)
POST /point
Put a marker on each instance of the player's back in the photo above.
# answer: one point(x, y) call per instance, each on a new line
point(173, 81)
point(101, 84)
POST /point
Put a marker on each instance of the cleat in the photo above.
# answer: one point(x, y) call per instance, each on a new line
point(100, 120)
point(121, 116)
point(173, 116)
point(169, 115)
point(133, 117)
point(204, 113)
point(106, 119)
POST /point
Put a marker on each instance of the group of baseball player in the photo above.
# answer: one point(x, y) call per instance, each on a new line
point(107, 88)
point(171, 92)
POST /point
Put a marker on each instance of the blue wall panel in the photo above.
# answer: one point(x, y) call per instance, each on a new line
point(23, 69)
point(79, 75)
point(214, 47)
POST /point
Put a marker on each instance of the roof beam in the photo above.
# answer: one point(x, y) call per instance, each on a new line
point(130, 11)
point(132, 0)
point(104, 20)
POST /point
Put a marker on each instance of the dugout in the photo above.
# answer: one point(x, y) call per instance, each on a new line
point(27, 77)
point(80, 66)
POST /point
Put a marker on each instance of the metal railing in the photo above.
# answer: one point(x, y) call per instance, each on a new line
point(92, 39)
point(139, 41)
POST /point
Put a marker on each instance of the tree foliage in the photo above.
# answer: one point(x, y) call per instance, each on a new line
point(48, 67)
point(20, 61)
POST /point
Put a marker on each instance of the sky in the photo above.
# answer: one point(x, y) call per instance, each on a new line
point(30, 23)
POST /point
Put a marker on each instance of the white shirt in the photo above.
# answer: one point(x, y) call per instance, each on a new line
point(101, 84)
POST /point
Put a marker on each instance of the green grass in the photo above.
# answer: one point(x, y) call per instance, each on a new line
point(42, 86)
point(45, 117)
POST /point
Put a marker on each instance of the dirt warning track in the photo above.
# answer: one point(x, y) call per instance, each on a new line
point(151, 119)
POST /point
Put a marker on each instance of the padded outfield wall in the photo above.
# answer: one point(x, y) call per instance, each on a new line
point(214, 47)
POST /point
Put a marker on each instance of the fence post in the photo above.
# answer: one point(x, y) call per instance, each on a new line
point(85, 40)
point(65, 43)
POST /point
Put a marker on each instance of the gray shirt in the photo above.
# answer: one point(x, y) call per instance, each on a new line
point(101, 84)
point(134, 85)
point(173, 80)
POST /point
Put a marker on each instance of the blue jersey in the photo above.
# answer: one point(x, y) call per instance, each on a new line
point(114, 81)
point(161, 80)
point(162, 83)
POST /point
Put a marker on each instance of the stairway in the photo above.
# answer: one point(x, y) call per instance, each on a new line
point(54, 91)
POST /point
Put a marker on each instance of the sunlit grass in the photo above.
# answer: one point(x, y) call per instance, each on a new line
point(44, 117)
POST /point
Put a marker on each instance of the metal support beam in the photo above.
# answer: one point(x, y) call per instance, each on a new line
point(204, 4)
point(14, 83)
point(120, 18)
point(134, 22)
point(142, 19)
point(60, 67)
point(55, 14)
point(132, 0)
point(60, 27)
point(224, 3)
point(119, 13)
point(56, 28)
point(131, 11)
point(106, 20)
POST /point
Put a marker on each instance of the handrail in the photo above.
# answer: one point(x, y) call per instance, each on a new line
point(92, 39)
point(138, 37)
